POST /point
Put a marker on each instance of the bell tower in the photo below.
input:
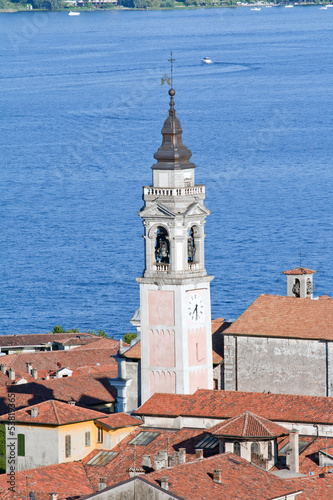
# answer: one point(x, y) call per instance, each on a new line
point(175, 311)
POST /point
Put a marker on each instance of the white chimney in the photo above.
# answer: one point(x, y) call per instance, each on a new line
point(165, 483)
point(29, 367)
point(217, 476)
point(34, 412)
point(3, 368)
point(34, 373)
point(53, 496)
point(182, 455)
point(146, 461)
point(101, 483)
point(294, 451)
point(11, 374)
point(72, 403)
point(199, 453)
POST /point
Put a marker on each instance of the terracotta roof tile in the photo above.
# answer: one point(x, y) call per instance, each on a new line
point(239, 480)
point(119, 420)
point(299, 270)
point(86, 390)
point(248, 425)
point(53, 360)
point(315, 487)
point(227, 404)
point(101, 343)
point(54, 413)
point(277, 316)
point(68, 480)
point(40, 338)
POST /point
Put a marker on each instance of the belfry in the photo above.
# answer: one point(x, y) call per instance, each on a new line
point(175, 311)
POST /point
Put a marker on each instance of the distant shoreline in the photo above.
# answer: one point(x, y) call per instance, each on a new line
point(177, 7)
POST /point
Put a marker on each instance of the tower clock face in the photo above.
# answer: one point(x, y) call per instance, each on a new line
point(195, 307)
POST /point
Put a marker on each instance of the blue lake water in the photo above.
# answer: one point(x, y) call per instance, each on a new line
point(81, 113)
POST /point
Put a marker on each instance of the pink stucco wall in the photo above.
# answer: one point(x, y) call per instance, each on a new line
point(197, 346)
point(161, 309)
point(163, 381)
point(162, 348)
point(198, 380)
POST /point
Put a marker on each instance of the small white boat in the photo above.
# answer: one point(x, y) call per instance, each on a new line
point(289, 6)
point(70, 13)
point(207, 60)
point(256, 8)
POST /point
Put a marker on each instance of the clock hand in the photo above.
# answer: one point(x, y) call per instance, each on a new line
point(196, 311)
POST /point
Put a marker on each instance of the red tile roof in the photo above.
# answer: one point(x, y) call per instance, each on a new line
point(133, 352)
point(117, 469)
point(227, 404)
point(309, 455)
point(239, 480)
point(68, 480)
point(277, 316)
point(299, 270)
point(101, 343)
point(54, 413)
point(315, 487)
point(41, 338)
point(248, 425)
point(86, 390)
point(119, 420)
point(53, 360)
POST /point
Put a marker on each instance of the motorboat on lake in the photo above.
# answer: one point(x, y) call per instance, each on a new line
point(207, 60)
point(70, 13)
point(256, 8)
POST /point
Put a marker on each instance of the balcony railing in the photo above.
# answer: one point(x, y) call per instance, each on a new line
point(161, 268)
point(187, 191)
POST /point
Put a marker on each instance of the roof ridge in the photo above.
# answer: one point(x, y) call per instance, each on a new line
point(55, 411)
point(262, 423)
point(246, 423)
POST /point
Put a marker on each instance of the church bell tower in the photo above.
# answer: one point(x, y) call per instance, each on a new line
point(175, 311)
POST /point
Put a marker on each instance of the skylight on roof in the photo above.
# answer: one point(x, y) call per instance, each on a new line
point(103, 458)
point(208, 443)
point(144, 438)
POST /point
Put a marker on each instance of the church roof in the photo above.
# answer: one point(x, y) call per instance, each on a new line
point(172, 154)
point(248, 425)
point(289, 317)
point(299, 270)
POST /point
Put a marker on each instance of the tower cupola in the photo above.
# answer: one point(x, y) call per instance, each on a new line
point(172, 154)
point(300, 282)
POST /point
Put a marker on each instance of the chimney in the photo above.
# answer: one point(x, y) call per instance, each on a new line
point(11, 374)
point(3, 368)
point(47, 377)
point(160, 460)
point(146, 461)
point(29, 367)
point(135, 472)
point(165, 483)
point(121, 368)
point(34, 373)
point(34, 412)
point(217, 476)
point(199, 453)
point(72, 403)
point(294, 451)
point(182, 455)
point(101, 483)
point(53, 496)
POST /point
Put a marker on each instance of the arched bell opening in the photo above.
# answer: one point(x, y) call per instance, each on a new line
point(162, 248)
point(297, 288)
point(191, 248)
point(309, 287)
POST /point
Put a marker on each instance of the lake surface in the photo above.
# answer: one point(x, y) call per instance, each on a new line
point(81, 113)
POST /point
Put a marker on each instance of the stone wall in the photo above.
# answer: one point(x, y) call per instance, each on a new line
point(278, 365)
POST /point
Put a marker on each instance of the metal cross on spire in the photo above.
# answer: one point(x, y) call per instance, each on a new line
point(171, 60)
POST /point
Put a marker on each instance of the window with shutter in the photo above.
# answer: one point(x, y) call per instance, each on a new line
point(68, 446)
point(87, 439)
point(21, 445)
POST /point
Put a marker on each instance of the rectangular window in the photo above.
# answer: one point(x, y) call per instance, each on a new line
point(68, 446)
point(99, 434)
point(87, 439)
point(21, 445)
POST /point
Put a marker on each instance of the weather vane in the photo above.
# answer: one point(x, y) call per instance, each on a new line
point(165, 78)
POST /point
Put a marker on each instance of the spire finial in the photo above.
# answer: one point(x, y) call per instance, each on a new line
point(171, 60)
point(171, 90)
